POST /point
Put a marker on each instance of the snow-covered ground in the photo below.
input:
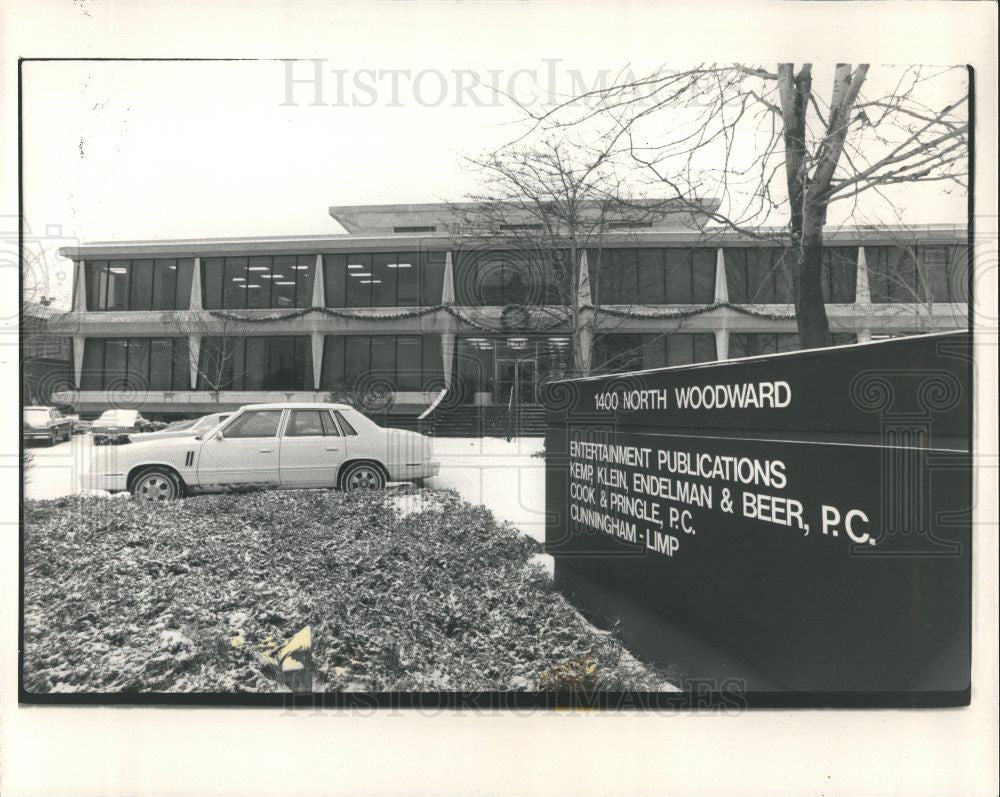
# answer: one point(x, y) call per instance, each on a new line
point(502, 476)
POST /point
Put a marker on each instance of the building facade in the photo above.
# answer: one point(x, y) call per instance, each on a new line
point(406, 312)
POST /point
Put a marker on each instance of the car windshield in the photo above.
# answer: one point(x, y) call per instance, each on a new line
point(36, 416)
point(117, 416)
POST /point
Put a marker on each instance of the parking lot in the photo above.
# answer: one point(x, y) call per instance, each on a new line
point(503, 476)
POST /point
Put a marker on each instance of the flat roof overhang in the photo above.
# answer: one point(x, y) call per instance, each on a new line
point(332, 244)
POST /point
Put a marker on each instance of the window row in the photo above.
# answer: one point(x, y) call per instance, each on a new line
point(652, 276)
point(616, 353)
point(280, 362)
point(764, 275)
point(917, 274)
point(257, 282)
point(136, 364)
point(754, 344)
point(400, 279)
point(162, 284)
point(501, 277)
point(388, 362)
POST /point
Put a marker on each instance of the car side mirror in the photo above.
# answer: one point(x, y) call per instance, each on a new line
point(218, 437)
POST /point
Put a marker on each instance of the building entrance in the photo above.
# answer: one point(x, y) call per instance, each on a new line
point(515, 382)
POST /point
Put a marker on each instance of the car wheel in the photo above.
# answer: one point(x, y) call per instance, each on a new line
point(363, 476)
point(156, 484)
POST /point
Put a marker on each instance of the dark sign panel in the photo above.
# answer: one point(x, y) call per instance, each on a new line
point(800, 522)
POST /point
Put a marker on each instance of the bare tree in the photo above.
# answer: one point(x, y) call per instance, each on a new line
point(547, 205)
point(215, 359)
point(767, 145)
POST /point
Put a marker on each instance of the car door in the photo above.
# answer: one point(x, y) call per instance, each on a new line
point(312, 449)
point(244, 451)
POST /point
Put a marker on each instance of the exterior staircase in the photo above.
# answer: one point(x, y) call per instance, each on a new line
point(467, 421)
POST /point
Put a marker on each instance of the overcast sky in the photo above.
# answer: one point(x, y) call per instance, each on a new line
point(138, 150)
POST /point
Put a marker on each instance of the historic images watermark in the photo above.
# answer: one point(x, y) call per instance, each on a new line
point(549, 83)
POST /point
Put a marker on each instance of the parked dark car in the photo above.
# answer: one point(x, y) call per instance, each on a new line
point(114, 426)
point(46, 423)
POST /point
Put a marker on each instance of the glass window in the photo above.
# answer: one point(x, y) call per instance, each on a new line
point(466, 279)
point(408, 279)
point(783, 261)
point(358, 288)
point(357, 359)
point(115, 362)
point(329, 427)
point(260, 278)
point(256, 367)
point(736, 275)
point(332, 373)
point(618, 283)
point(432, 365)
point(432, 278)
point(618, 353)
point(334, 279)
point(383, 280)
point(235, 283)
point(934, 268)
point(408, 358)
point(650, 276)
point(118, 282)
point(521, 284)
point(281, 365)
point(164, 293)
point(96, 275)
point(703, 275)
point(185, 273)
point(704, 347)
point(141, 290)
point(221, 363)
point(92, 376)
point(653, 351)
point(305, 276)
point(255, 423)
point(840, 268)
point(305, 423)
point(211, 283)
point(344, 424)
point(383, 362)
point(677, 267)
point(284, 283)
point(138, 363)
point(182, 365)
point(489, 279)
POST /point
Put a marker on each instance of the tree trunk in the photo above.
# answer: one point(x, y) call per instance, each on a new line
point(810, 311)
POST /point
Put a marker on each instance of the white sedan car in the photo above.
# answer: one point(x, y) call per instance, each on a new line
point(270, 445)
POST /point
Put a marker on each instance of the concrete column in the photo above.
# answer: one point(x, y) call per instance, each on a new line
point(80, 291)
point(862, 291)
point(317, 354)
point(78, 344)
point(721, 284)
point(194, 352)
point(447, 356)
point(722, 344)
point(195, 303)
point(319, 295)
point(863, 298)
point(448, 288)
